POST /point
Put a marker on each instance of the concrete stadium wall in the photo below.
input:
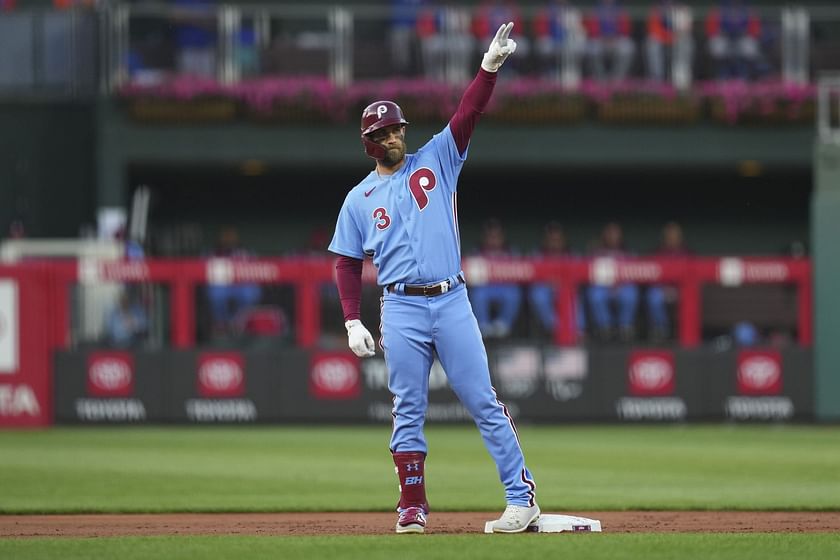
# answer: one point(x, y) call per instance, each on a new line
point(60, 162)
point(47, 170)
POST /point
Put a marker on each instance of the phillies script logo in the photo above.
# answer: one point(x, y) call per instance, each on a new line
point(221, 374)
point(110, 374)
point(759, 372)
point(334, 376)
point(651, 373)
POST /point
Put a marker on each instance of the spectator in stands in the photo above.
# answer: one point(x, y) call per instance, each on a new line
point(432, 38)
point(560, 41)
point(659, 297)
point(227, 299)
point(127, 324)
point(195, 38)
point(609, 30)
point(504, 296)
point(403, 33)
point(541, 295)
point(490, 15)
point(669, 40)
point(247, 50)
point(445, 43)
point(430, 34)
point(745, 334)
point(733, 31)
point(623, 297)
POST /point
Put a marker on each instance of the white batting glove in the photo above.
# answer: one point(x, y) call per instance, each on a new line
point(500, 48)
point(359, 339)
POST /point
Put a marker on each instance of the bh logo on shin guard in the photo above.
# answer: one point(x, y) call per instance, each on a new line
point(410, 480)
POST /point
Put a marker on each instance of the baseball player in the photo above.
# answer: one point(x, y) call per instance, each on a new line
point(404, 216)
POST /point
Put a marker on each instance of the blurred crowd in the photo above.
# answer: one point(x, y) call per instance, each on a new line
point(597, 39)
point(560, 40)
point(602, 312)
point(621, 312)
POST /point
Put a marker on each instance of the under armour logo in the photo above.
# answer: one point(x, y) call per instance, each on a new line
point(381, 110)
point(412, 467)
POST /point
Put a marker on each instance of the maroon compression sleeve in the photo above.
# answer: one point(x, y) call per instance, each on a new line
point(348, 278)
point(471, 107)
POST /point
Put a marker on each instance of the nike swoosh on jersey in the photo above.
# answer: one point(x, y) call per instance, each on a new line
point(367, 193)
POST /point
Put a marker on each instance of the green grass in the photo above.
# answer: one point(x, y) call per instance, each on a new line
point(428, 547)
point(66, 470)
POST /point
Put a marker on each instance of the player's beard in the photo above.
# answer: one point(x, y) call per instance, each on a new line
point(394, 155)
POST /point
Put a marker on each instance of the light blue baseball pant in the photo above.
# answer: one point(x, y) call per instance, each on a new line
point(414, 328)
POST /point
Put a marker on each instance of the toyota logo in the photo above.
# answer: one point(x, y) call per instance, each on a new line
point(220, 374)
point(759, 372)
point(335, 375)
point(651, 373)
point(110, 374)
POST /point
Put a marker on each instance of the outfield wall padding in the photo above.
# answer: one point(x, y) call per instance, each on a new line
point(536, 383)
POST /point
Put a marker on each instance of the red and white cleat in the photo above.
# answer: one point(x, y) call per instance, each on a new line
point(412, 520)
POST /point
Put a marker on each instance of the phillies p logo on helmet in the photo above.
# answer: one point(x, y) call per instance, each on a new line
point(379, 114)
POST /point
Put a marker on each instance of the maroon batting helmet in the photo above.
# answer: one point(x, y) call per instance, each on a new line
point(379, 114)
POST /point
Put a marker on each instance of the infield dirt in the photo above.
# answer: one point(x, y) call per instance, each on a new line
point(355, 523)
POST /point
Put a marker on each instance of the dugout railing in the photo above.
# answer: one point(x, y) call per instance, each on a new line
point(306, 276)
point(41, 302)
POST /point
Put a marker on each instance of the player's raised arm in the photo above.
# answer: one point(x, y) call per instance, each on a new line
point(478, 93)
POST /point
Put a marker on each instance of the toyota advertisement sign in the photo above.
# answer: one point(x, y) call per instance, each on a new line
point(759, 373)
point(651, 388)
point(108, 387)
point(760, 388)
point(220, 375)
point(9, 327)
point(537, 383)
point(334, 376)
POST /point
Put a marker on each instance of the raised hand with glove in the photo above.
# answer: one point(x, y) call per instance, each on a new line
point(501, 47)
point(359, 339)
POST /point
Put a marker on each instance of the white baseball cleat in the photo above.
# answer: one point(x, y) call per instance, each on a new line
point(517, 519)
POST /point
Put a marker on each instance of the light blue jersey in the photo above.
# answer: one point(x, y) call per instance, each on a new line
point(407, 222)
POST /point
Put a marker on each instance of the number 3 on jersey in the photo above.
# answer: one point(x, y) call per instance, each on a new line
point(419, 183)
point(383, 220)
